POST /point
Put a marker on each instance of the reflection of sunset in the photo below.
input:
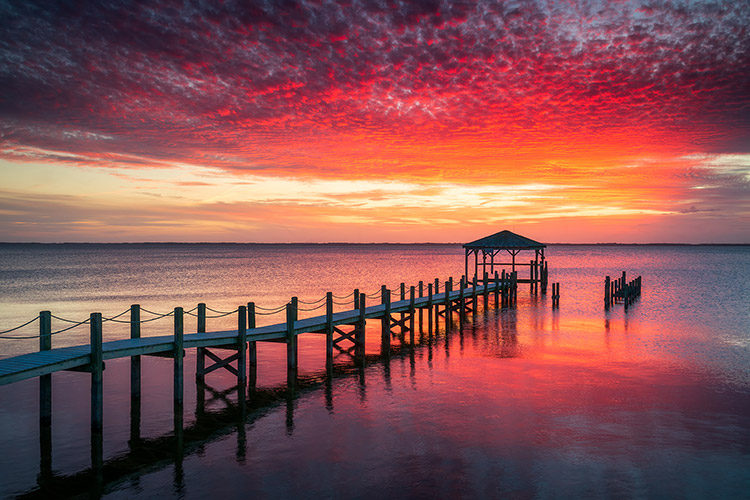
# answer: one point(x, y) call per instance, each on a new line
point(320, 122)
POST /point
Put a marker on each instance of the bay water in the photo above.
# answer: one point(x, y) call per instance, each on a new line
point(528, 401)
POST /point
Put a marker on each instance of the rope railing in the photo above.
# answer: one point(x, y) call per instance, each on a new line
point(19, 326)
point(313, 302)
point(311, 308)
point(259, 311)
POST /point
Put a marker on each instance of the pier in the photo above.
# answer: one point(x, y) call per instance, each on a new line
point(401, 312)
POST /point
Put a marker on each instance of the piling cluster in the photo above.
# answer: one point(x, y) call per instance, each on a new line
point(621, 290)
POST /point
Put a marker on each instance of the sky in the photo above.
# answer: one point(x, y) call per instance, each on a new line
point(374, 121)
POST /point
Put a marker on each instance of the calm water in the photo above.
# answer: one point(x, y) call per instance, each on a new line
point(524, 402)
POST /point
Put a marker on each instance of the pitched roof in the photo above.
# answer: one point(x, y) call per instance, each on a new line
point(505, 239)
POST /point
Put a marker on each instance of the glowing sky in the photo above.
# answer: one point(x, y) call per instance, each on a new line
point(374, 121)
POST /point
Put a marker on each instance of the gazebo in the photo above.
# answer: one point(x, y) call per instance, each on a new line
point(506, 241)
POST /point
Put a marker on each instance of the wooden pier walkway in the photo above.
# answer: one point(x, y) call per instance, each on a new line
point(88, 357)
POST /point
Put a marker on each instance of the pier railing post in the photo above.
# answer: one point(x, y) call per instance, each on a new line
point(356, 298)
point(360, 335)
point(385, 334)
point(291, 340)
point(607, 287)
point(329, 326)
point(200, 356)
point(96, 365)
point(252, 346)
point(178, 358)
point(242, 345)
point(411, 315)
point(135, 361)
point(45, 381)
point(421, 294)
point(461, 298)
point(429, 307)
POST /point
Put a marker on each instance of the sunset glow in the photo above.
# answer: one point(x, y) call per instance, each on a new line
point(375, 121)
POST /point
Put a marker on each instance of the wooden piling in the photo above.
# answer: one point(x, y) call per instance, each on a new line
point(96, 365)
point(45, 381)
point(178, 354)
point(356, 298)
point(252, 348)
point(200, 352)
point(291, 339)
point(411, 315)
point(241, 345)
point(361, 324)
point(135, 361)
point(429, 307)
point(385, 334)
point(329, 326)
point(607, 296)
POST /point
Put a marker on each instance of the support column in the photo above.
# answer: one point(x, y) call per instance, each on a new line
point(329, 327)
point(291, 341)
point(200, 352)
point(135, 378)
point(252, 346)
point(45, 402)
point(241, 346)
point(412, 310)
point(385, 322)
point(97, 395)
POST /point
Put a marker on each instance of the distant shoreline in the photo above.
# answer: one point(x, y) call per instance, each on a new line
point(207, 243)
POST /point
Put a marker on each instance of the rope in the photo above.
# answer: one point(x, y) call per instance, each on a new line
point(19, 326)
point(342, 303)
point(273, 309)
point(156, 314)
point(311, 309)
point(311, 303)
point(70, 327)
point(268, 313)
point(220, 312)
point(342, 297)
point(66, 320)
point(220, 315)
point(113, 318)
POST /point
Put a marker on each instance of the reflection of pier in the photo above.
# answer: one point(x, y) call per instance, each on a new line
point(239, 406)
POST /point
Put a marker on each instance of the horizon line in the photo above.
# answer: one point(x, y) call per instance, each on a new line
point(342, 243)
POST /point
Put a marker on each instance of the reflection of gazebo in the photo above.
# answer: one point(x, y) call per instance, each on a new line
point(512, 243)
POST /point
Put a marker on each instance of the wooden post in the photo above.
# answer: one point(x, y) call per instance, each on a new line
point(200, 356)
point(497, 290)
point(135, 361)
point(242, 345)
point(45, 381)
point(448, 290)
point(607, 286)
point(429, 307)
point(411, 315)
point(356, 298)
point(437, 307)
point(96, 366)
point(178, 356)
point(329, 326)
point(474, 293)
point(461, 298)
point(421, 294)
point(252, 348)
point(385, 332)
point(291, 340)
point(360, 335)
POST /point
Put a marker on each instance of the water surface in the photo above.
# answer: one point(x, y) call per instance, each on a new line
point(523, 402)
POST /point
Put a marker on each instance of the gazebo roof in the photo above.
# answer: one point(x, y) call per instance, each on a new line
point(506, 239)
